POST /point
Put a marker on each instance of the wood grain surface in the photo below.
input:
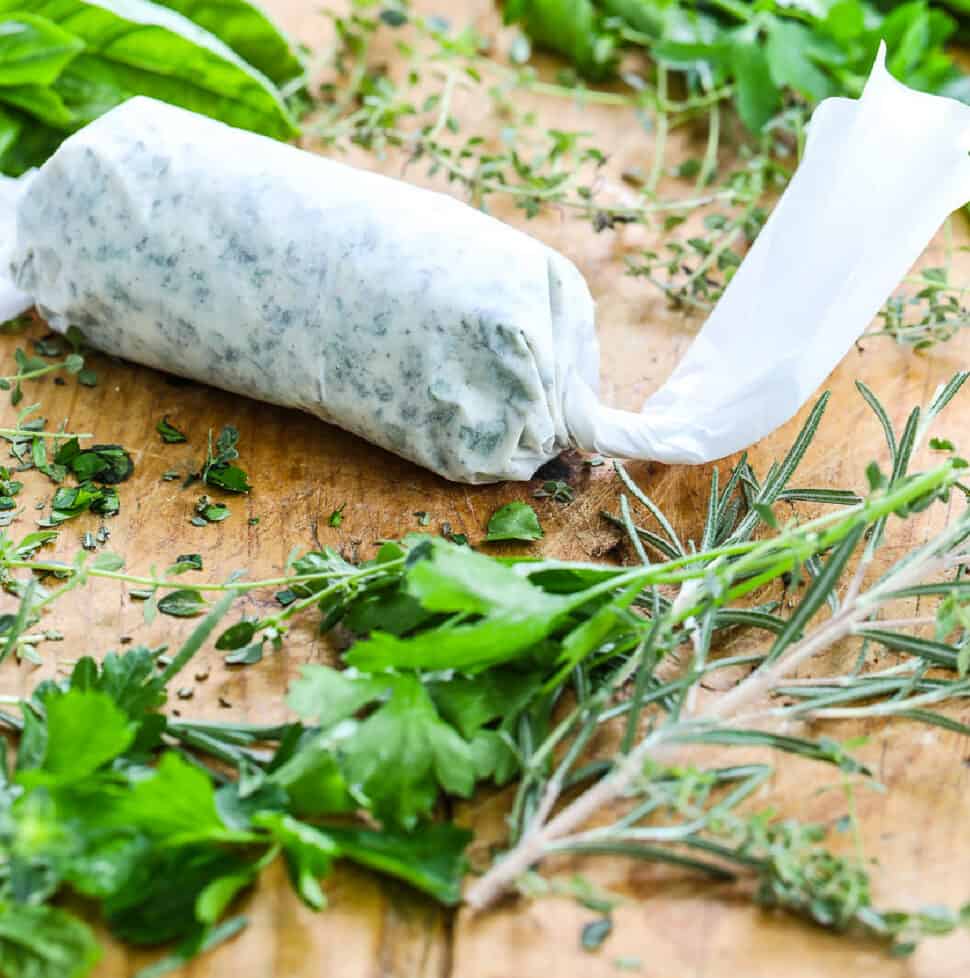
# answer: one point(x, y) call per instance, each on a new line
point(302, 470)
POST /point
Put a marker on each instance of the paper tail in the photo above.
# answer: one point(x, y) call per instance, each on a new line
point(879, 176)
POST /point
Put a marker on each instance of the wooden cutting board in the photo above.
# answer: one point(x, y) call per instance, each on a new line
point(302, 470)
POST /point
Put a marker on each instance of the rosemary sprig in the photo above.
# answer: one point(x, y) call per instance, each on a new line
point(744, 714)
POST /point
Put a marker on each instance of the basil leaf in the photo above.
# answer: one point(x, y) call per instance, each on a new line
point(248, 30)
point(42, 103)
point(24, 142)
point(34, 50)
point(11, 125)
point(134, 47)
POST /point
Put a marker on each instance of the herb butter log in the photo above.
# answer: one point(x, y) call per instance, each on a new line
point(436, 331)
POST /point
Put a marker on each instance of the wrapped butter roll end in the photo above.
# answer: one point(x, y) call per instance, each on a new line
point(437, 332)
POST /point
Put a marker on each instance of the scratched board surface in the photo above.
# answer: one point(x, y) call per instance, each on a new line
point(302, 470)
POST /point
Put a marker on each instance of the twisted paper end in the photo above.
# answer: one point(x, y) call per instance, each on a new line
point(879, 176)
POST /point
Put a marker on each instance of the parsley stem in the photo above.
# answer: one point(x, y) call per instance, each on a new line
point(27, 433)
point(660, 139)
point(32, 374)
point(313, 599)
point(52, 567)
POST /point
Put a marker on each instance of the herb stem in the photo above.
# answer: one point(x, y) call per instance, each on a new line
point(18, 433)
point(236, 586)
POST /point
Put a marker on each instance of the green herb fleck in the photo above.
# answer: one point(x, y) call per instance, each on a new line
point(595, 933)
point(170, 434)
point(189, 561)
point(184, 603)
point(559, 491)
point(514, 521)
point(217, 469)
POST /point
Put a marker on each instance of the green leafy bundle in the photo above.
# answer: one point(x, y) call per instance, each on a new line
point(463, 669)
point(63, 63)
point(102, 802)
point(765, 53)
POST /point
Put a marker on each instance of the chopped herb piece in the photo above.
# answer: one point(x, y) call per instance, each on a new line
point(108, 464)
point(170, 475)
point(628, 964)
point(559, 491)
point(236, 636)
point(69, 502)
point(207, 511)
point(514, 521)
point(247, 656)
point(50, 345)
point(16, 325)
point(108, 504)
point(595, 933)
point(337, 516)
point(170, 434)
point(217, 469)
point(228, 478)
point(88, 542)
point(184, 603)
point(189, 561)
